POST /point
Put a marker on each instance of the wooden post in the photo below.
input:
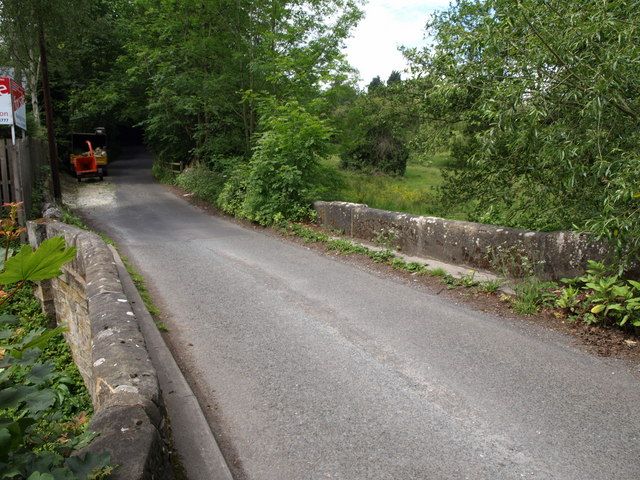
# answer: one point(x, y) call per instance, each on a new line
point(4, 173)
point(48, 107)
point(15, 161)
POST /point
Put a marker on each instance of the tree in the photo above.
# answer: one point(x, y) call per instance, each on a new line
point(29, 26)
point(375, 84)
point(546, 95)
point(207, 63)
point(374, 132)
point(394, 78)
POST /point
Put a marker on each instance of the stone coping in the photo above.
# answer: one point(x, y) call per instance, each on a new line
point(110, 351)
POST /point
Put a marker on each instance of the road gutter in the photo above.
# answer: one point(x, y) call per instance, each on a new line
point(193, 440)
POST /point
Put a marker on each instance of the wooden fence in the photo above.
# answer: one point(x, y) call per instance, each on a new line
point(20, 168)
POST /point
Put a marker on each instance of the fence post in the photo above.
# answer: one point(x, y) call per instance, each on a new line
point(14, 162)
point(5, 179)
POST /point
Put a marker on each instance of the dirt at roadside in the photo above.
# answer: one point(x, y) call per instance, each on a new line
point(88, 193)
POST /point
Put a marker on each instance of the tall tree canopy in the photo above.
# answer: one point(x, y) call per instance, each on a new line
point(204, 64)
point(548, 96)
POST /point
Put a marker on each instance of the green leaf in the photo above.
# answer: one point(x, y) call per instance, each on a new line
point(615, 306)
point(40, 400)
point(7, 319)
point(40, 476)
point(41, 373)
point(5, 334)
point(41, 264)
point(13, 396)
point(39, 338)
point(5, 441)
point(598, 308)
point(87, 464)
point(635, 284)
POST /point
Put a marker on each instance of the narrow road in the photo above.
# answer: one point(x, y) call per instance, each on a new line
point(313, 368)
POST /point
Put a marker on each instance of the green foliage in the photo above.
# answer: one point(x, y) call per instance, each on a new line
point(33, 266)
point(234, 192)
point(490, 286)
point(204, 183)
point(41, 394)
point(34, 411)
point(375, 84)
point(200, 62)
point(394, 78)
point(162, 172)
point(438, 272)
point(544, 95)
point(601, 296)
point(374, 131)
point(532, 295)
point(282, 176)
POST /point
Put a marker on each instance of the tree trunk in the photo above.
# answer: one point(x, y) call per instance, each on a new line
point(48, 108)
point(32, 80)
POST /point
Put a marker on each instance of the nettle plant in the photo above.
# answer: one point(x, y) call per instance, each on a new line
point(32, 393)
point(601, 296)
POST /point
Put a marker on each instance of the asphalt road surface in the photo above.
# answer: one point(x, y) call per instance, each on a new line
point(311, 368)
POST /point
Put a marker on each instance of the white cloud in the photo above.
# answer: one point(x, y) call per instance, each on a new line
point(387, 25)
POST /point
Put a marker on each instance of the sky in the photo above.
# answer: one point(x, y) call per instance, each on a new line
point(387, 25)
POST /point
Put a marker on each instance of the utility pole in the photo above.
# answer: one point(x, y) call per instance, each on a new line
point(48, 107)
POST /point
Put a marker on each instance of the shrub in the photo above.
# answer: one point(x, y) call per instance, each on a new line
point(601, 296)
point(283, 175)
point(379, 150)
point(161, 171)
point(36, 433)
point(204, 183)
point(234, 191)
point(373, 136)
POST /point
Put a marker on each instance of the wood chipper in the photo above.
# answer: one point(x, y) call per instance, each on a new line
point(98, 141)
point(86, 165)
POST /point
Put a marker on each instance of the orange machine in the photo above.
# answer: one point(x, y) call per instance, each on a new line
point(85, 165)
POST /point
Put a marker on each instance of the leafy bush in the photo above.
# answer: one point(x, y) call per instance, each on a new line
point(373, 135)
point(282, 177)
point(161, 171)
point(379, 150)
point(545, 94)
point(35, 393)
point(234, 191)
point(601, 296)
point(204, 183)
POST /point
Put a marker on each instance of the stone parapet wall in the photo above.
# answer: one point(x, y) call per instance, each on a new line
point(551, 255)
point(110, 351)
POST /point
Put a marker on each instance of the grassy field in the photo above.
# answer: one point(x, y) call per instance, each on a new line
point(416, 192)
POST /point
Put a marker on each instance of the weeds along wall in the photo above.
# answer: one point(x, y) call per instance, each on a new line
point(110, 351)
point(506, 251)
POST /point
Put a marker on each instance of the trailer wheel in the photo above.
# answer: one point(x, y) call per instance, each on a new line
point(79, 178)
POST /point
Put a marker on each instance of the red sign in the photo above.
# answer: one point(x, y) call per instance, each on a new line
point(13, 104)
point(19, 104)
point(5, 85)
point(6, 109)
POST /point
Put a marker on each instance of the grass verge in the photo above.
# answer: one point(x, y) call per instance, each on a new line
point(415, 192)
point(347, 247)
